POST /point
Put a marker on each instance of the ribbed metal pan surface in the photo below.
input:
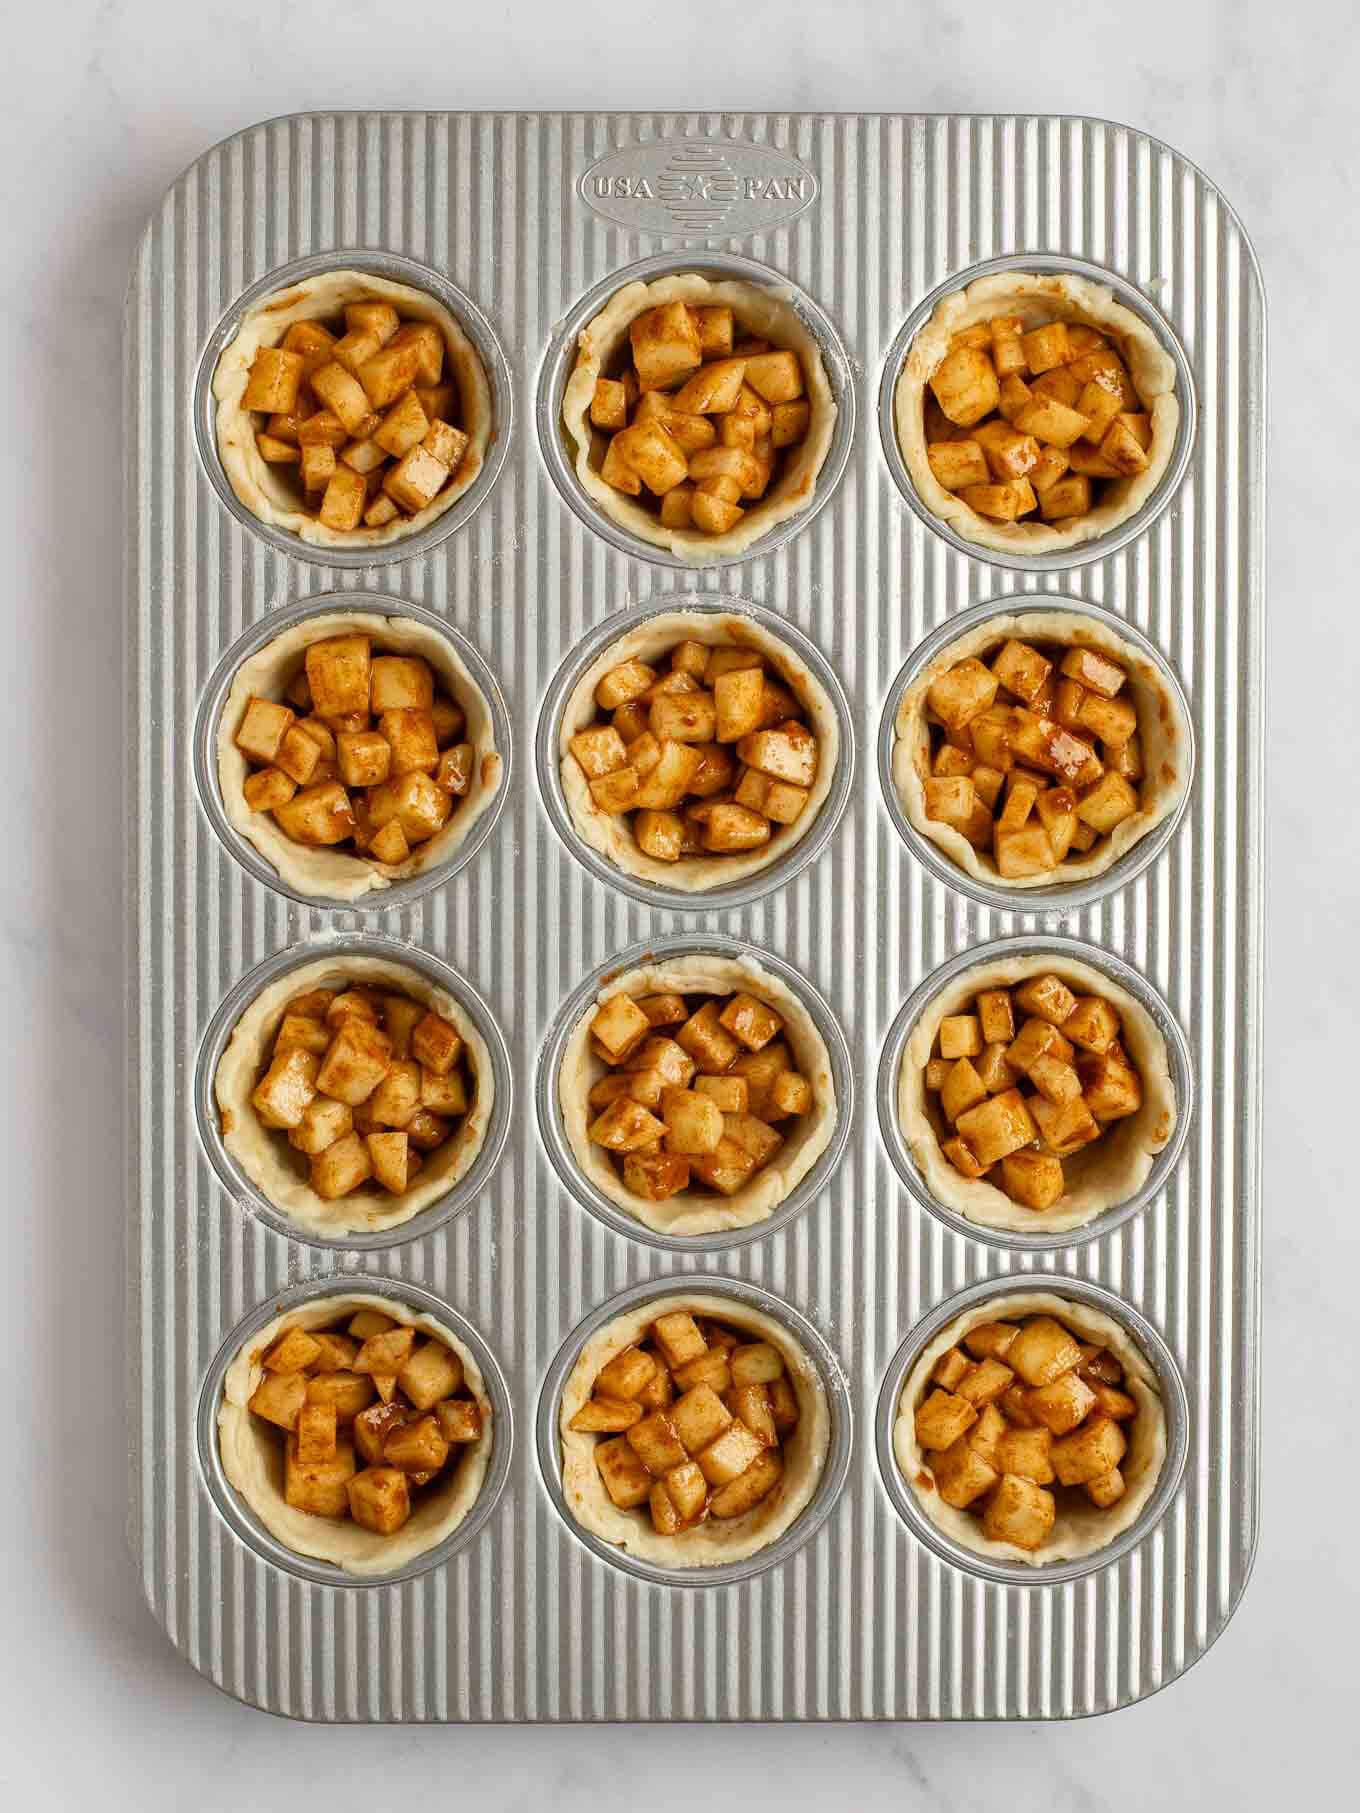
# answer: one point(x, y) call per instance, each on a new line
point(525, 1622)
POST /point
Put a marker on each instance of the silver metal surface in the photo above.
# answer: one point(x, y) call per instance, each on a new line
point(865, 1620)
point(695, 186)
point(1182, 1083)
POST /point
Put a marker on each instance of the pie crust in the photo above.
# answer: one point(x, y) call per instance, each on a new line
point(764, 313)
point(1162, 724)
point(807, 1137)
point(332, 873)
point(715, 1541)
point(261, 1151)
point(611, 832)
point(1079, 1530)
point(320, 299)
point(253, 1460)
point(1036, 299)
point(1101, 1175)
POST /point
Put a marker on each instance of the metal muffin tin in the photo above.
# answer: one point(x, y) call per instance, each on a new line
point(524, 224)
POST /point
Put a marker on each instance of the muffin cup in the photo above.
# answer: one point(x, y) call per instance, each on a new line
point(243, 1522)
point(559, 453)
point(1101, 547)
point(1175, 1405)
point(1180, 1064)
point(208, 778)
point(1061, 897)
point(549, 756)
point(554, 1134)
point(835, 1467)
point(244, 1190)
point(478, 330)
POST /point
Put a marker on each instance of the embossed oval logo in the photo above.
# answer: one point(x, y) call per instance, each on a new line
point(699, 188)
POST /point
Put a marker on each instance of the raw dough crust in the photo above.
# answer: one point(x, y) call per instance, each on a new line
point(1102, 1174)
point(765, 314)
point(253, 1460)
point(263, 1153)
point(718, 1540)
point(328, 872)
point(805, 1139)
point(262, 492)
point(1162, 724)
point(1078, 1530)
point(610, 832)
point(1037, 299)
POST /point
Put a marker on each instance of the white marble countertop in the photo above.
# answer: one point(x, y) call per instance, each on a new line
point(107, 101)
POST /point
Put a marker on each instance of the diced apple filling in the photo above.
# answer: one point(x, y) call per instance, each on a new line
point(1032, 423)
point(364, 754)
point(710, 755)
point(368, 1414)
point(1020, 1418)
point(695, 1416)
point(1027, 1077)
point(359, 408)
point(363, 1082)
point(698, 1110)
point(695, 421)
point(1035, 758)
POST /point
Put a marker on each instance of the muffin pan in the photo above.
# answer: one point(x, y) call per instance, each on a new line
point(521, 1615)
